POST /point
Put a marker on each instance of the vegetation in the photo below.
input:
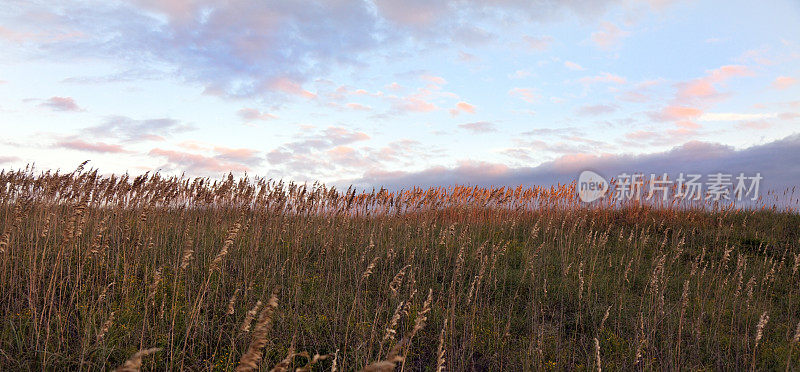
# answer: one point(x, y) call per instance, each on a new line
point(99, 272)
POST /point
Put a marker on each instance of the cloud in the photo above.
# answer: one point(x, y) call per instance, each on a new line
point(733, 116)
point(520, 74)
point(789, 116)
point(337, 151)
point(414, 13)
point(783, 82)
point(462, 107)
point(540, 43)
point(435, 80)
point(15, 36)
point(329, 138)
point(703, 90)
point(271, 48)
point(136, 74)
point(251, 114)
point(597, 109)
point(196, 163)
point(754, 124)
point(467, 57)
point(358, 107)
point(573, 66)
point(778, 162)
point(566, 141)
point(688, 106)
point(479, 127)
point(61, 104)
point(604, 77)
point(525, 94)
point(238, 155)
point(22, 37)
point(471, 35)
point(414, 103)
point(288, 86)
point(9, 159)
point(675, 113)
point(641, 91)
point(98, 147)
point(132, 130)
point(609, 36)
point(235, 49)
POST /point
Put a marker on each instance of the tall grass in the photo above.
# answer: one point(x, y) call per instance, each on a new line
point(99, 272)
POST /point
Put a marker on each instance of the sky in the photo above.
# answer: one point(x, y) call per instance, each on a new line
point(401, 93)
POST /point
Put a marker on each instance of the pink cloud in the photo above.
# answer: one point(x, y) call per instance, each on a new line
point(240, 155)
point(634, 96)
point(394, 86)
point(415, 104)
point(783, 82)
point(347, 156)
point(609, 35)
point(61, 104)
point(99, 147)
point(754, 124)
point(462, 107)
point(604, 77)
point(250, 114)
point(789, 116)
point(340, 135)
point(526, 94)
point(288, 86)
point(358, 107)
point(15, 36)
point(704, 89)
point(436, 80)
point(193, 145)
point(573, 66)
point(466, 107)
point(687, 124)
point(675, 113)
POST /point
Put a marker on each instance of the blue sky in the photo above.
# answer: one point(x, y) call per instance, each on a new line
point(376, 91)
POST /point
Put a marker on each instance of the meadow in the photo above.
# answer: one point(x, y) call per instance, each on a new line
point(168, 273)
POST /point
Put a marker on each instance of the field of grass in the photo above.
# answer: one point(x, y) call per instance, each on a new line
point(259, 275)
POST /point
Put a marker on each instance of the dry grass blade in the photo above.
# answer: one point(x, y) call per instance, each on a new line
point(314, 360)
point(394, 357)
point(440, 361)
point(232, 302)
point(252, 357)
point(134, 364)
point(251, 314)
point(106, 326)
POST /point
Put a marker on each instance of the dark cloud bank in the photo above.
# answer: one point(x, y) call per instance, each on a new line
point(778, 162)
